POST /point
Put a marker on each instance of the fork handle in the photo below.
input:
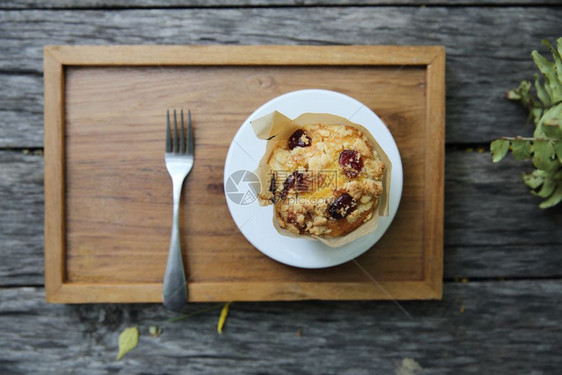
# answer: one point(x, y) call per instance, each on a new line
point(174, 292)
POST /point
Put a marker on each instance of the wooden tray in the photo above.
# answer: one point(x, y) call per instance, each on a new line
point(108, 195)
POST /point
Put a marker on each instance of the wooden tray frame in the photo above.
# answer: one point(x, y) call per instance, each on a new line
point(56, 58)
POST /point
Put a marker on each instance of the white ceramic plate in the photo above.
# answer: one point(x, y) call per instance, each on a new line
point(256, 222)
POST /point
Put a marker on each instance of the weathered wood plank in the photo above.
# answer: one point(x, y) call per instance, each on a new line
point(503, 261)
point(487, 50)
point(487, 204)
point(493, 225)
point(21, 110)
point(21, 218)
point(484, 207)
point(484, 34)
point(478, 328)
point(121, 4)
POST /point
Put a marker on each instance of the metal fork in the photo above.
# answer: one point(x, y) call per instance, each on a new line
point(179, 161)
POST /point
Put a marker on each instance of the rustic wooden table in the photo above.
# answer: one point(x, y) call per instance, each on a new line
point(502, 304)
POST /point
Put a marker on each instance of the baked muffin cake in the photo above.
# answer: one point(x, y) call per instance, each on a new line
point(325, 180)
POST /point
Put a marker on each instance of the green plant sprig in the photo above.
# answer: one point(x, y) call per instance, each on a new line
point(545, 110)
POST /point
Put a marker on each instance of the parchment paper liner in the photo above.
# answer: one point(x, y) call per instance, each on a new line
point(276, 126)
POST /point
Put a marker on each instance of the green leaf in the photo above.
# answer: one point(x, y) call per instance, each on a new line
point(128, 340)
point(532, 181)
point(513, 95)
point(543, 153)
point(554, 198)
point(521, 149)
point(556, 56)
point(539, 173)
point(558, 150)
point(536, 115)
point(552, 130)
point(547, 188)
point(541, 92)
point(553, 86)
point(522, 93)
point(545, 109)
point(499, 149)
point(551, 120)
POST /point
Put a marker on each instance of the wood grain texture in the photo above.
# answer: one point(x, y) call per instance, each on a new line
point(124, 4)
point(55, 173)
point(476, 208)
point(252, 56)
point(493, 227)
point(21, 110)
point(108, 203)
point(21, 218)
point(478, 328)
point(434, 167)
point(477, 244)
point(487, 52)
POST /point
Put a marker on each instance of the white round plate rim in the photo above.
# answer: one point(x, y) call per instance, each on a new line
point(256, 222)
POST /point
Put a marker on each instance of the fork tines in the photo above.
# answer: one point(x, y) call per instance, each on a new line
point(176, 143)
